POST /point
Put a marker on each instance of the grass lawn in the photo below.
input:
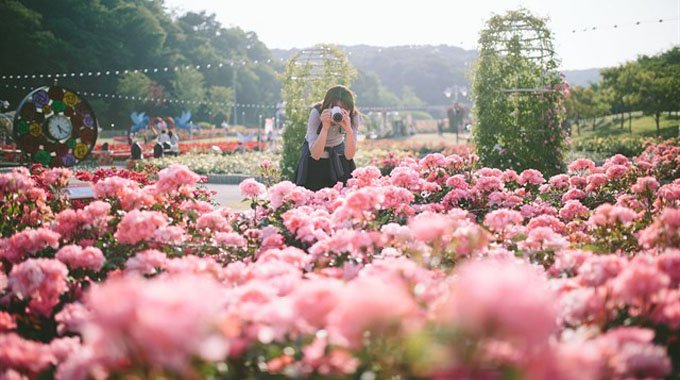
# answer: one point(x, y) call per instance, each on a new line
point(643, 126)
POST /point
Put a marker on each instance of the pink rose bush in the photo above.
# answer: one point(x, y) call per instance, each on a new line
point(251, 188)
point(427, 267)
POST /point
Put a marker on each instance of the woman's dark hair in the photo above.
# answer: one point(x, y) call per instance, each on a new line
point(340, 94)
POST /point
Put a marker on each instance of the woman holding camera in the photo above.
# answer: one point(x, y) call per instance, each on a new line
point(331, 141)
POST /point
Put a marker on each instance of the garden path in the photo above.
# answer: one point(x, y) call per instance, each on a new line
point(228, 196)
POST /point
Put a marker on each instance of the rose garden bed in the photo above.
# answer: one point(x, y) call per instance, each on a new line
point(419, 268)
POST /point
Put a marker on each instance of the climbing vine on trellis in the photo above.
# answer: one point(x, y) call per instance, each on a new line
point(519, 95)
point(308, 75)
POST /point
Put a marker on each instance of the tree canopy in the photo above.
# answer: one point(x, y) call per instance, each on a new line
point(41, 36)
point(650, 84)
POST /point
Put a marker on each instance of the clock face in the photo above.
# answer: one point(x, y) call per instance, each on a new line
point(59, 127)
point(54, 126)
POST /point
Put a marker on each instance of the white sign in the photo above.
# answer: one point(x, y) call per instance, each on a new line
point(80, 191)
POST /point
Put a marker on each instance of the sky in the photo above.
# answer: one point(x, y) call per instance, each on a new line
point(286, 24)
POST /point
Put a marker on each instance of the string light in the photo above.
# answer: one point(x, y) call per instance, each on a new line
point(618, 26)
point(224, 104)
point(257, 62)
point(153, 100)
point(137, 70)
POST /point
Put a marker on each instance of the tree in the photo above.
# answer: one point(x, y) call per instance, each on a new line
point(220, 101)
point(621, 84)
point(72, 36)
point(610, 78)
point(137, 88)
point(651, 85)
point(585, 103)
point(371, 92)
point(409, 98)
point(134, 85)
point(188, 88)
point(629, 88)
point(657, 86)
point(142, 30)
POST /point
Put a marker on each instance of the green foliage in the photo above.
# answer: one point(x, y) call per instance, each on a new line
point(659, 90)
point(409, 98)
point(608, 138)
point(247, 163)
point(629, 146)
point(304, 83)
point(518, 129)
point(142, 30)
point(134, 84)
point(371, 92)
point(188, 84)
point(585, 104)
point(649, 84)
point(621, 83)
point(42, 36)
point(219, 94)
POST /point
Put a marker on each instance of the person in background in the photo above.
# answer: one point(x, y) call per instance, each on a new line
point(173, 140)
point(105, 157)
point(136, 151)
point(162, 144)
point(164, 139)
point(330, 144)
point(440, 127)
point(240, 147)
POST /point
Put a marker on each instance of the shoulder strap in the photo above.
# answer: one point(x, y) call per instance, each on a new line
point(317, 107)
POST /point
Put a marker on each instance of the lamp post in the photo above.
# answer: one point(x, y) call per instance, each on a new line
point(259, 134)
point(448, 92)
point(233, 85)
point(456, 90)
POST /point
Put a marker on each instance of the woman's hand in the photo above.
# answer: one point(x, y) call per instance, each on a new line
point(326, 118)
point(346, 123)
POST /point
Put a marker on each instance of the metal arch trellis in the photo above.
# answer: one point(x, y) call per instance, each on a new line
point(519, 36)
point(517, 90)
point(319, 59)
point(313, 70)
point(532, 41)
point(315, 64)
point(529, 40)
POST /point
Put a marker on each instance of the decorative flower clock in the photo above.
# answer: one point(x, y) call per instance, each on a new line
point(55, 127)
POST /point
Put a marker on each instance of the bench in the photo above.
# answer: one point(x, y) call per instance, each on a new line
point(10, 154)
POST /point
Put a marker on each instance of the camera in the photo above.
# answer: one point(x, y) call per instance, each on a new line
point(336, 114)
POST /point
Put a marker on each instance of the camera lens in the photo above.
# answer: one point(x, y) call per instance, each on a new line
point(337, 117)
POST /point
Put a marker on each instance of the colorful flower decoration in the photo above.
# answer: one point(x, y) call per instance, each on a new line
point(55, 126)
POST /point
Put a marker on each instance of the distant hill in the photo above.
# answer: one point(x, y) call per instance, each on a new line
point(582, 77)
point(401, 71)
point(423, 70)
